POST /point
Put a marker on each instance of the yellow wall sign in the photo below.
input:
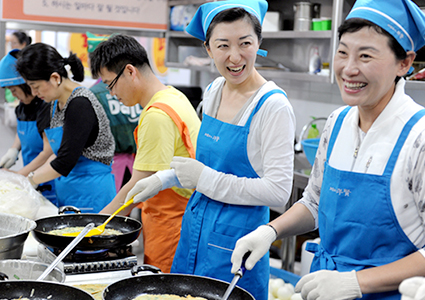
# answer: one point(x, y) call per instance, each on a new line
point(158, 56)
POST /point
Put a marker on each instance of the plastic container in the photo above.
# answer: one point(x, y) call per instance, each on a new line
point(326, 24)
point(315, 64)
point(316, 24)
point(313, 132)
point(310, 148)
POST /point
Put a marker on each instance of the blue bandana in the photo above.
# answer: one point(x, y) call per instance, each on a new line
point(8, 74)
point(206, 12)
point(401, 18)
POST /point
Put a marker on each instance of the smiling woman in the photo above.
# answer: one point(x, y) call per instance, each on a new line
point(79, 134)
point(366, 192)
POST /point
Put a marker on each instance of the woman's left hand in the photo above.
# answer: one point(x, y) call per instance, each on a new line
point(188, 171)
point(330, 285)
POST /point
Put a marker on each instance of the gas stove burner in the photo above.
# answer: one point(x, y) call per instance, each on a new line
point(93, 261)
point(96, 255)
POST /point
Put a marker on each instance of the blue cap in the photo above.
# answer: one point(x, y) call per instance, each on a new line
point(401, 18)
point(206, 12)
point(8, 74)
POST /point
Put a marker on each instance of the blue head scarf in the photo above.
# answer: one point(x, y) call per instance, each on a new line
point(401, 18)
point(8, 74)
point(206, 12)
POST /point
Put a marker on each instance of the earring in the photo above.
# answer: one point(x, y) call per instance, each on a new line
point(59, 83)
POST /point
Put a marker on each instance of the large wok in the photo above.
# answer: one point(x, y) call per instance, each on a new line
point(41, 290)
point(177, 284)
point(130, 227)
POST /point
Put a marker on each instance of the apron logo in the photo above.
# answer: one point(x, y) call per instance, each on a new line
point(215, 138)
point(346, 192)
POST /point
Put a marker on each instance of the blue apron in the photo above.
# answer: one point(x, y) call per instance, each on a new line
point(211, 228)
point(31, 146)
point(89, 186)
point(357, 223)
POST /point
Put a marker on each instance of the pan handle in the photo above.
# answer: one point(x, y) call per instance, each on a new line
point(64, 209)
point(143, 268)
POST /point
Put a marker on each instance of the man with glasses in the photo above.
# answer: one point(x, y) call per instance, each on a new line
point(168, 127)
point(122, 119)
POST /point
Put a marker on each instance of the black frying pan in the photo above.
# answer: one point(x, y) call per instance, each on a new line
point(41, 290)
point(130, 227)
point(177, 284)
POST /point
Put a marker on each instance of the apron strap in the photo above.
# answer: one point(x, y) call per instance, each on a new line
point(336, 130)
point(260, 103)
point(182, 127)
point(401, 139)
point(54, 107)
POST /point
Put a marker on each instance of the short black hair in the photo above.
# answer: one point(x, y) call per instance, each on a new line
point(22, 37)
point(116, 52)
point(231, 15)
point(38, 61)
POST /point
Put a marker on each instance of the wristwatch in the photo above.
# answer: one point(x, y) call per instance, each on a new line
point(30, 176)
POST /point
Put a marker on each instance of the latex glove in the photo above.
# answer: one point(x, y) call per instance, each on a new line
point(258, 242)
point(188, 171)
point(412, 288)
point(327, 284)
point(9, 159)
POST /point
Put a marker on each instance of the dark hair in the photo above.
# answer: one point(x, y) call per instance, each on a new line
point(231, 15)
point(22, 37)
point(356, 24)
point(38, 62)
point(116, 52)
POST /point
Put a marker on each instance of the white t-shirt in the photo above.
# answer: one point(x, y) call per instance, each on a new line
point(270, 151)
point(373, 150)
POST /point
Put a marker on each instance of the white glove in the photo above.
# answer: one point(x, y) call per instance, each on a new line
point(258, 242)
point(9, 159)
point(188, 171)
point(150, 186)
point(412, 288)
point(145, 189)
point(327, 284)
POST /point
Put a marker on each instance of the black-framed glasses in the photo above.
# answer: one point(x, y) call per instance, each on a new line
point(113, 82)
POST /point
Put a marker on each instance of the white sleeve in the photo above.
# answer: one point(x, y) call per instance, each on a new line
point(277, 131)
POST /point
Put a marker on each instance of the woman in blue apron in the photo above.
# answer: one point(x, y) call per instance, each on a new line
point(32, 117)
point(79, 133)
point(366, 192)
point(244, 154)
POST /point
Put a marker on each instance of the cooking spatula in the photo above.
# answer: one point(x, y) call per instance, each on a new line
point(101, 228)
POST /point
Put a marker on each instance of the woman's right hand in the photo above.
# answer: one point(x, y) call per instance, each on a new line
point(10, 158)
point(145, 189)
point(257, 242)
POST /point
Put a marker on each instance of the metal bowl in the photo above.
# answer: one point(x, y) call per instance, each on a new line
point(14, 231)
point(17, 269)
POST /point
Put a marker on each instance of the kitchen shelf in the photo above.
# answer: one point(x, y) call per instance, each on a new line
point(285, 34)
point(290, 34)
